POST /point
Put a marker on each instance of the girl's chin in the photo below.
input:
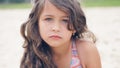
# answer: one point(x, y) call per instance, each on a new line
point(54, 43)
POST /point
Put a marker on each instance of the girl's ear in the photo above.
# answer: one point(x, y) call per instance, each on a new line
point(74, 31)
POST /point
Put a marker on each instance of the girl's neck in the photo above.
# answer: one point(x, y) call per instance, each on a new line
point(62, 50)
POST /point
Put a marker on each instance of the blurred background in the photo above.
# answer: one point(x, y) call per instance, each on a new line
point(103, 19)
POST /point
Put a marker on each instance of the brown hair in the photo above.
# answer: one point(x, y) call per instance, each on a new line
point(37, 53)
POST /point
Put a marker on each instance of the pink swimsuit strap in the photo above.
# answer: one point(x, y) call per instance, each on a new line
point(75, 61)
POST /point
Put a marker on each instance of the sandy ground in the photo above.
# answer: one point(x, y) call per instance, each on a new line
point(104, 22)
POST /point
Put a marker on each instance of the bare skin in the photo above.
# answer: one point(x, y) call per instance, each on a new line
point(88, 54)
point(53, 30)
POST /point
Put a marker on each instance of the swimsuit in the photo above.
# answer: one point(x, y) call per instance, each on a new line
point(75, 61)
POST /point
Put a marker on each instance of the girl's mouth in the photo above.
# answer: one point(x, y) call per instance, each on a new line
point(56, 37)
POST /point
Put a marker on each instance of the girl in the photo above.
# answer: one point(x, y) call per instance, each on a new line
point(55, 37)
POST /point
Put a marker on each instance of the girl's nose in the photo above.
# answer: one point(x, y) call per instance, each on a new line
point(56, 27)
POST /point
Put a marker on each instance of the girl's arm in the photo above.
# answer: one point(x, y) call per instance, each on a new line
point(88, 54)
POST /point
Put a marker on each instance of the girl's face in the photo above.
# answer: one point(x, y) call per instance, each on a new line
point(53, 26)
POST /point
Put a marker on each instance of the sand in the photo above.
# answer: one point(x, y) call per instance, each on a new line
point(104, 22)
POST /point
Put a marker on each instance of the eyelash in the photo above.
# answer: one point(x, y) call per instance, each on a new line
point(63, 20)
point(48, 19)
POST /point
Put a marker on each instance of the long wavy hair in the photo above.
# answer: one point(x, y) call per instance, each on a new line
point(37, 53)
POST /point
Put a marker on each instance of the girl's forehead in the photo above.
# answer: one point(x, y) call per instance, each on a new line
point(49, 8)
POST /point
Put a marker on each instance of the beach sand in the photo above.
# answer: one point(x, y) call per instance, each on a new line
point(104, 22)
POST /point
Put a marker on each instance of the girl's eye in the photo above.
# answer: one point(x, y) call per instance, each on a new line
point(48, 19)
point(65, 20)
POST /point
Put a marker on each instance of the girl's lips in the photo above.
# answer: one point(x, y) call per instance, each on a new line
point(55, 37)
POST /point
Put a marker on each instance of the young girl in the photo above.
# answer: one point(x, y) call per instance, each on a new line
point(56, 36)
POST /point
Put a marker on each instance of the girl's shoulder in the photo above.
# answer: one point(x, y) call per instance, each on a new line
point(85, 45)
point(88, 53)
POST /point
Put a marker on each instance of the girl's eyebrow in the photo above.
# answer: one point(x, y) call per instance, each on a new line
point(48, 15)
point(66, 16)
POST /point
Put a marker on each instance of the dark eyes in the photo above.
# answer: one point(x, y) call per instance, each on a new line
point(51, 19)
point(65, 20)
point(48, 19)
